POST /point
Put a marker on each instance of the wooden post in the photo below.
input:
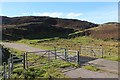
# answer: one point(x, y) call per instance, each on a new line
point(4, 71)
point(65, 53)
point(78, 57)
point(24, 65)
point(55, 53)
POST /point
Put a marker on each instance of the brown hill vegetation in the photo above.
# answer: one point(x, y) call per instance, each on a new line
point(105, 32)
point(58, 22)
point(34, 27)
point(37, 27)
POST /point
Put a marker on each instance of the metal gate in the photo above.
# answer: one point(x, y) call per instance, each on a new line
point(26, 59)
point(93, 51)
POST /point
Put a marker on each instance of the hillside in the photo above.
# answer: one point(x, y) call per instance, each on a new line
point(33, 27)
point(41, 27)
point(105, 32)
point(58, 22)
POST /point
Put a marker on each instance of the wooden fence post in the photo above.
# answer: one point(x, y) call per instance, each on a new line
point(4, 71)
point(24, 65)
point(65, 53)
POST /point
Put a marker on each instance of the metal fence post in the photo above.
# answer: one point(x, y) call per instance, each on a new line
point(24, 61)
point(80, 50)
point(26, 55)
point(49, 56)
point(4, 71)
point(9, 68)
point(65, 53)
point(55, 53)
point(11, 62)
point(1, 54)
point(78, 57)
point(91, 51)
point(102, 52)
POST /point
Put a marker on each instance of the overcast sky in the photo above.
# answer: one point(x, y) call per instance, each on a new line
point(97, 12)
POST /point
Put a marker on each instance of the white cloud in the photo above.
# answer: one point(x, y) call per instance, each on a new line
point(51, 14)
point(25, 14)
point(73, 15)
point(55, 14)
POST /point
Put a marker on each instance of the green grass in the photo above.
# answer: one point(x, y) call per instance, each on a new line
point(16, 51)
point(113, 58)
point(77, 32)
point(34, 43)
point(91, 67)
point(74, 44)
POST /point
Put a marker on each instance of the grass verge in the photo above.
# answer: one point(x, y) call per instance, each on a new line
point(91, 68)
